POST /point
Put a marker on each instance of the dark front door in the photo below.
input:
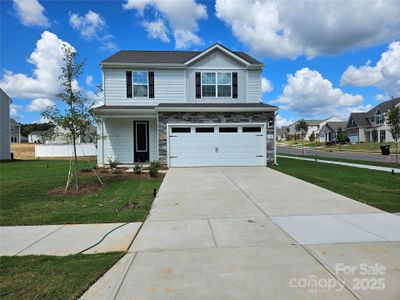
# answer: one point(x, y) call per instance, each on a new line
point(141, 141)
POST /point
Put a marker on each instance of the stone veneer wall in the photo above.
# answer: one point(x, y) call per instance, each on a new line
point(212, 117)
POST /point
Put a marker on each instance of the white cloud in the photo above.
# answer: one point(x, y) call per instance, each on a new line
point(92, 26)
point(309, 94)
point(31, 13)
point(294, 28)
point(156, 30)
point(182, 17)
point(282, 121)
point(89, 80)
point(47, 59)
point(266, 85)
point(384, 75)
point(14, 111)
point(40, 104)
point(88, 25)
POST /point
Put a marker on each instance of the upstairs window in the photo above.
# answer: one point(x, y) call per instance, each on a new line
point(140, 83)
point(216, 84)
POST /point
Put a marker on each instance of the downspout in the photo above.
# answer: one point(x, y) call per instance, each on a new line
point(275, 115)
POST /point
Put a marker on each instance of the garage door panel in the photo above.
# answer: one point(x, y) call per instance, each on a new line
point(217, 148)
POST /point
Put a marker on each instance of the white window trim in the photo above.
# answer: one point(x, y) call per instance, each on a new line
point(133, 85)
point(216, 84)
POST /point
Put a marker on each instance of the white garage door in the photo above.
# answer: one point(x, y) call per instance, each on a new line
point(217, 145)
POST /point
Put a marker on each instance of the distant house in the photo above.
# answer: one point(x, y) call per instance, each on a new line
point(371, 126)
point(15, 132)
point(4, 126)
point(36, 137)
point(328, 132)
point(313, 126)
point(281, 133)
point(58, 135)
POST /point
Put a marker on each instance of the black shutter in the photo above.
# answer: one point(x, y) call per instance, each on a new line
point(151, 84)
point(128, 84)
point(198, 85)
point(234, 85)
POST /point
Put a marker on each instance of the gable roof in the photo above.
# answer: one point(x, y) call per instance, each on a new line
point(359, 118)
point(313, 122)
point(170, 57)
point(383, 107)
point(334, 126)
point(14, 123)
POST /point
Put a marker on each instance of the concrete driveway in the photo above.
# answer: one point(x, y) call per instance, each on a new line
point(255, 233)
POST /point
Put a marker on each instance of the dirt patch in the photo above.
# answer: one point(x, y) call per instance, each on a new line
point(23, 151)
point(83, 189)
point(130, 205)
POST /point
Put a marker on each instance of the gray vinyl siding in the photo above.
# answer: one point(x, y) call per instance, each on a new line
point(169, 86)
point(254, 86)
point(118, 141)
point(177, 85)
point(4, 126)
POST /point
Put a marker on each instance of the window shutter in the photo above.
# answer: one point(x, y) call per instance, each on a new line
point(234, 85)
point(128, 84)
point(198, 85)
point(151, 84)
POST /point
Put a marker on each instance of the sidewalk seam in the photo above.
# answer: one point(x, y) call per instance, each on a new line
point(39, 240)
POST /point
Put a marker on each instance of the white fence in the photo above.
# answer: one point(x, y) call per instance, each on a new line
point(64, 150)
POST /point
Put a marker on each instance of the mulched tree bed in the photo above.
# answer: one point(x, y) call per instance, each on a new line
point(87, 188)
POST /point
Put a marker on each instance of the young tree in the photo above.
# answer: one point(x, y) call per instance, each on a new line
point(393, 121)
point(312, 137)
point(302, 128)
point(77, 118)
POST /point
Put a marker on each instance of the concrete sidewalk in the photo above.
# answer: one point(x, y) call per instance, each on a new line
point(353, 155)
point(342, 163)
point(236, 233)
point(63, 240)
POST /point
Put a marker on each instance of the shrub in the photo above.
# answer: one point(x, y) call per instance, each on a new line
point(137, 168)
point(113, 163)
point(154, 167)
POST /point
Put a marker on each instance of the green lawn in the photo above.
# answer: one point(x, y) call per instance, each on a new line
point(361, 147)
point(24, 198)
point(362, 162)
point(52, 277)
point(376, 188)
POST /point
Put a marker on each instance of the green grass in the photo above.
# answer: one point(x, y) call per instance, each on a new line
point(52, 277)
point(362, 162)
point(362, 147)
point(24, 198)
point(376, 188)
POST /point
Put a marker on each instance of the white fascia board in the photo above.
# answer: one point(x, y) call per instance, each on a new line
point(217, 46)
point(216, 109)
point(142, 65)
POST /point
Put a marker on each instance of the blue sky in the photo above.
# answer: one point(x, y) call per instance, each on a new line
point(307, 59)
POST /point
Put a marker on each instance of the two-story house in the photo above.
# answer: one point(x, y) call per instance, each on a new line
point(312, 126)
point(371, 126)
point(15, 132)
point(185, 108)
point(5, 102)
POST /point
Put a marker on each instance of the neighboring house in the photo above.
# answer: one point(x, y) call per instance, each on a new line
point(281, 133)
point(15, 132)
point(57, 135)
point(313, 126)
point(5, 102)
point(371, 126)
point(328, 132)
point(185, 108)
point(24, 139)
point(36, 137)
